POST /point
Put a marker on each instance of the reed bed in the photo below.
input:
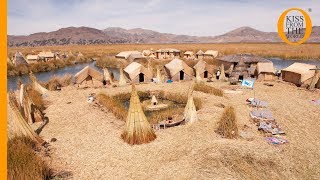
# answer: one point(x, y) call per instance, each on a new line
point(281, 50)
point(208, 89)
point(23, 162)
point(227, 126)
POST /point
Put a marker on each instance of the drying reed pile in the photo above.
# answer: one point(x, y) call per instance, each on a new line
point(23, 163)
point(55, 82)
point(227, 126)
point(137, 128)
point(202, 87)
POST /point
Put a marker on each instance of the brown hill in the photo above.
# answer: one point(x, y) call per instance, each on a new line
point(116, 35)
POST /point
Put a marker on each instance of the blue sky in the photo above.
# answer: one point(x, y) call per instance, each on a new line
point(191, 17)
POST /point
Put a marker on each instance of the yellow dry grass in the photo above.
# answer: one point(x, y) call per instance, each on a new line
point(282, 50)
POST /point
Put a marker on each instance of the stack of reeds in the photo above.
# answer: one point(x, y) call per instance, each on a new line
point(228, 125)
point(137, 129)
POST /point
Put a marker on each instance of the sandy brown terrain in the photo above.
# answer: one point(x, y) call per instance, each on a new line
point(89, 145)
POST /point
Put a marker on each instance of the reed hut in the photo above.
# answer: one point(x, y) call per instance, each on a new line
point(248, 59)
point(211, 54)
point(298, 73)
point(18, 59)
point(137, 73)
point(200, 54)
point(89, 77)
point(188, 55)
point(265, 71)
point(137, 128)
point(178, 70)
point(46, 55)
point(126, 54)
point(205, 70)
point(32, 58)
point(168, 53)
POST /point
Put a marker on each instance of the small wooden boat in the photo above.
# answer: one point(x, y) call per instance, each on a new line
point(170, 122)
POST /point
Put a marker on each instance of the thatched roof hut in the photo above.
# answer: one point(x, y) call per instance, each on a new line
point(167, 53)
point(199, 54)
point(265, 71)
point(178, 70)
point(135, 72)
point(137, 128)
point(88, 74)
point(211, 54)
point(18, 59)
point(136, 57)
point(126, 54)
point(188, 54)
point(46, 55)
point(246, 58)
point(32, 58)
point(298, 73)
point(205, 70)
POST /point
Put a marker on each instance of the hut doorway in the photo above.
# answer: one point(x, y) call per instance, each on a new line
point(205, 74)
point(141, 77)
point(241, 77)
point(181, 75)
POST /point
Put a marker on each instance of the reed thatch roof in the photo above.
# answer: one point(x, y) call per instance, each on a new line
point(211, 53)
point(86, 72)
point(147, 52)
point(133, 57)
point(126, 54)
point(176, 65)
point(168, 50)
point(188, 53)
point(134, 69)
point(19, 59)
point(202, 66)
point(302, 69)
point(265, 67)
point(137, 128)
point(200, 52)
point(32, 57)
point(247, 58)
point(45, 54)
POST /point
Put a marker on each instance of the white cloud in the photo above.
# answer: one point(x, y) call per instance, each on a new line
point(190, 17)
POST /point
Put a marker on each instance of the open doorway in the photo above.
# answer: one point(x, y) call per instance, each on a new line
point(241, 77)
point(205, 74)
point(181, 75)
point(141, 77)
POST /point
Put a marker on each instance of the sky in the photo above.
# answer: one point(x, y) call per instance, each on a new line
point(190, 17)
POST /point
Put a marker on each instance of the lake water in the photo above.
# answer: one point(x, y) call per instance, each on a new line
point(44, 76)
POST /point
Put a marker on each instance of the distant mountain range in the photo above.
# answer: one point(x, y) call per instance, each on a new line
point(116, 35)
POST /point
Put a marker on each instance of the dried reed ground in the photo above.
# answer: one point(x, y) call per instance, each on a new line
point(89, 144)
